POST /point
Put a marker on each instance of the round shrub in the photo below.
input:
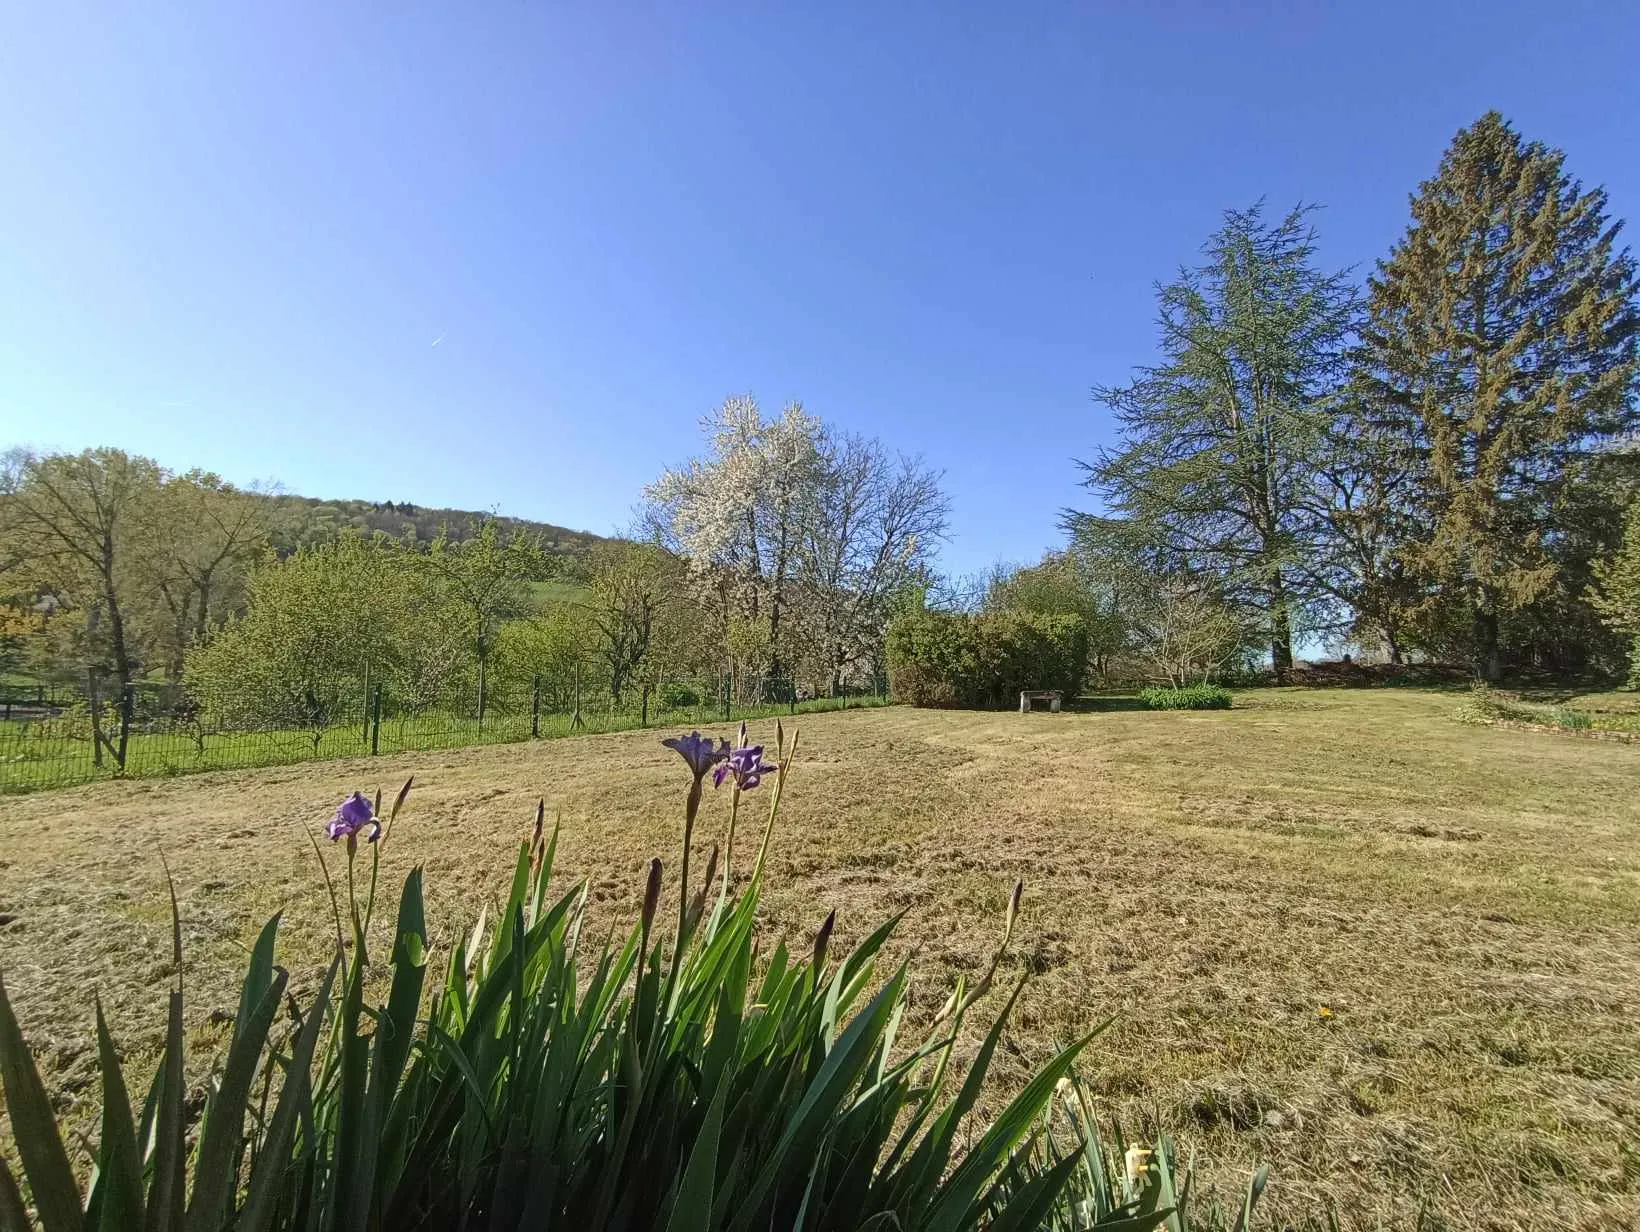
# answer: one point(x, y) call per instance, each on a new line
point(677, 696)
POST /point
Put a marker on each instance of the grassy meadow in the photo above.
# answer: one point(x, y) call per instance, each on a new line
point(1391, 954)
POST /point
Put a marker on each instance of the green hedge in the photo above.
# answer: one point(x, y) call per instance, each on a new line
point(954, 659)
point(1191, 697)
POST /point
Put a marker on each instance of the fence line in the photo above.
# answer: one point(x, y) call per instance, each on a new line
point(55, 737)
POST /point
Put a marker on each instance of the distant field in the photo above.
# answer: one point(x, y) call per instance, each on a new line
point(557, 591)
point(1394, 956)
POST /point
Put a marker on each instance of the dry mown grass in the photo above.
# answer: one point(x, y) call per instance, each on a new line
point(1463, 902)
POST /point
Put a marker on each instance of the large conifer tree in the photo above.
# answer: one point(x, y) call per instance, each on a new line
point(1221, 439)
point(1499, 350)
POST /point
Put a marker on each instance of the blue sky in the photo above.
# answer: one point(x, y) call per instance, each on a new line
point(230, 233)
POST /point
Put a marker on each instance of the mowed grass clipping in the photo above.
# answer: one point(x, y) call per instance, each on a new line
point(1396, 957)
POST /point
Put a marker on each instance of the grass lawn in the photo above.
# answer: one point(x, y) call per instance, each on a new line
point(1394, 956)
point(35, 755)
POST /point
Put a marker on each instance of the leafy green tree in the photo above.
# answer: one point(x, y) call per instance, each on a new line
point(558, 647)
point(1617, 590)
point(1355, 520)
point(1499, 349)
point(1067, 583)
point(321, 629)
point(984, 660)
point(205, 535)
point(633, 587)
point(1176, 623)
point(1222, 438)
point(82, 524)
point(487, 576)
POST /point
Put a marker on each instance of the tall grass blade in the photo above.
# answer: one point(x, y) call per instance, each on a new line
point(13, 1214)
point(1029, 1205)
point(957, 1196)
point(168, 1186)
point(117, 1196)
point(1255, 1187)
point(273, 1164)
point(409, 973)
point(216, 1165)
point(166, 1189)
point(692, 1210)
point(39, 1145)
point(841, 1070)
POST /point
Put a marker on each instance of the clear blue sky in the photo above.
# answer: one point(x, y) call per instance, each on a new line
point(229, 233)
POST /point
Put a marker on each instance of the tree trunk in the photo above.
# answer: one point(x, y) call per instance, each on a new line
point(203, 617)
point(116, 635)
point(1488, 666)
point(1281, 631)
point(774, 634)
point(179, 640)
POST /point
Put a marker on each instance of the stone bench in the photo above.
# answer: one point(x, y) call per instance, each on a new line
point(1029, 697)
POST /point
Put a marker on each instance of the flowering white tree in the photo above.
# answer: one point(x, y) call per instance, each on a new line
point(736, 513)
point(787, 523)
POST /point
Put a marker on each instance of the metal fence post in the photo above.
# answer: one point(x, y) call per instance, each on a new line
point(93, 705)
point(535, 708)
point(127, 700)
point(376, 721)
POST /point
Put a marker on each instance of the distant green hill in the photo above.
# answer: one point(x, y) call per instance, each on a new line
point(301, 520)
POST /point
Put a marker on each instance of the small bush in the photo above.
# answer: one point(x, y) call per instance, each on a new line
point(1573, 720)
point(676, 696)
point(1190, 697)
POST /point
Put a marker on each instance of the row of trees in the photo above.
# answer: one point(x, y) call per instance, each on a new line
point(112, 564)
point(776, 556)
point(773, 560)
point(324, 624)
point(1437, 463)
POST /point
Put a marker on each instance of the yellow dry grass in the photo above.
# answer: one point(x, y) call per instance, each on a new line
point(1395, 957)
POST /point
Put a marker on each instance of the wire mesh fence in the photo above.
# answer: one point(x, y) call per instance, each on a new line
point(55, 736)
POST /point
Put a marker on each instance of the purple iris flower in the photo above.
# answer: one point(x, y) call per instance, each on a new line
point(746, 766)
point(354, 815)
point(701, 752)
